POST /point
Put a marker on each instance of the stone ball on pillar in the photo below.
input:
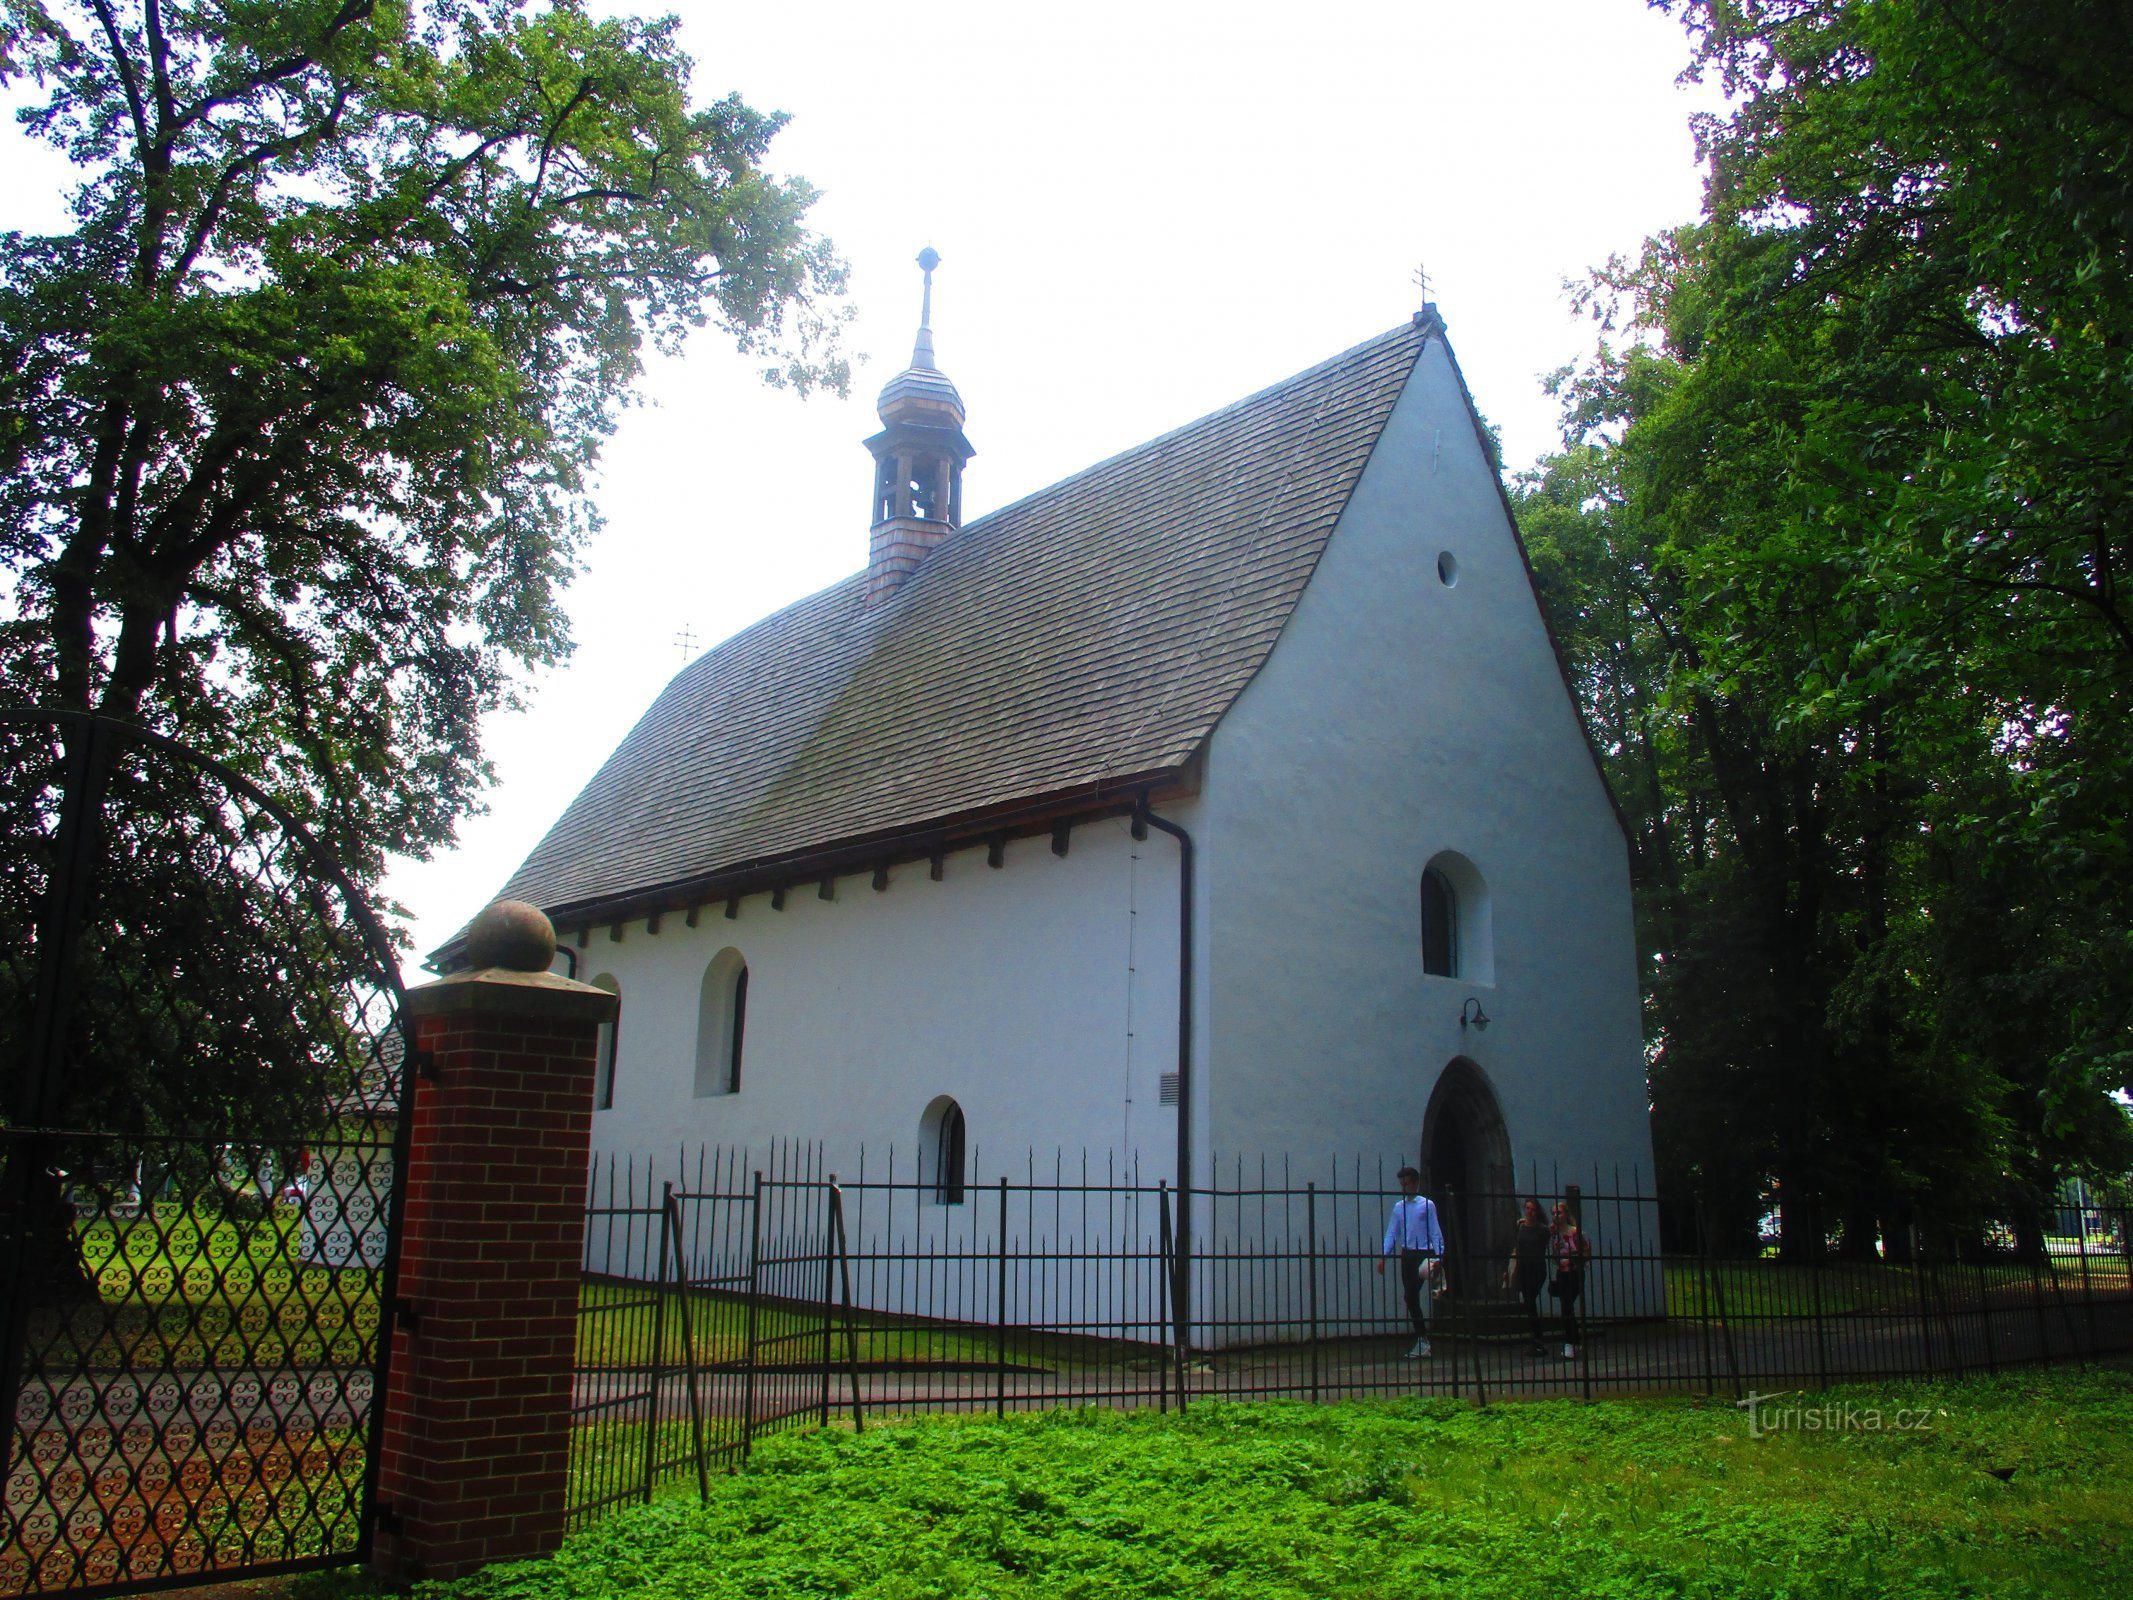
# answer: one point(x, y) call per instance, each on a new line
point(513, 935)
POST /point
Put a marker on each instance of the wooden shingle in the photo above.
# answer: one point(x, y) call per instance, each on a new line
point(1094, 631)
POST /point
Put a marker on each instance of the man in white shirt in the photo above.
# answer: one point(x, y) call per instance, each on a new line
point(1412, 1234)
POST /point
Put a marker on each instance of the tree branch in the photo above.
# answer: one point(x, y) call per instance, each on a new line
point(578, 195)
point(555, 128)
point(2081, 594)
point(351, 12)
point(135, 107)
point(218, 199)
point(450, 173)
point(159, 63)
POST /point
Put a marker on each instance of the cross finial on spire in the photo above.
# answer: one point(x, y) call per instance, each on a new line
point(1421, 281)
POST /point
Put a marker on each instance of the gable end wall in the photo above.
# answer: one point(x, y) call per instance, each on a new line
point(1395, 718)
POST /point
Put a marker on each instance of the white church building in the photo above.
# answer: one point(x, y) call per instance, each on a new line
point(1225, 798)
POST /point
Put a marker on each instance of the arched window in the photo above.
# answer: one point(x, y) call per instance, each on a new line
point(604, 1048)
point(721, 1023)
point(1456, 920)
point(1440, 925)
point(943, 1157)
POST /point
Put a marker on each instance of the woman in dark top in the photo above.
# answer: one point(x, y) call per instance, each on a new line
point(1527, 1270)
point(1568, 1249)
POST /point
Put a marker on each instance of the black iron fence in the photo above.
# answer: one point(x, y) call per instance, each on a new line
point(733, 1297)
point(202, 1064)
point(708, 1316)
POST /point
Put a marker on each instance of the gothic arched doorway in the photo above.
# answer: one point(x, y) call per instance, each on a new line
point(1466, 1169)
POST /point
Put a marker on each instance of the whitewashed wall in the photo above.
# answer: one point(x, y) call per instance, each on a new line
point(1040, 995)
point(1396, 718)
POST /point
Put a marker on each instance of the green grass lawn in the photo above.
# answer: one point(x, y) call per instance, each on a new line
point(183, 1291)
point(182, 1287)
point(1745, 1290)
point(2018, 1486)
point(616, 1328)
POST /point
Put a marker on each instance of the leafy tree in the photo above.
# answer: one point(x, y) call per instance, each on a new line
point(297, 417)
point(1858, 448)
point(295, 426)
point(1920, 225)
point(1920, 215)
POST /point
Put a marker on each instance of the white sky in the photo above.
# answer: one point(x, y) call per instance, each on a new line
point(1144, 211)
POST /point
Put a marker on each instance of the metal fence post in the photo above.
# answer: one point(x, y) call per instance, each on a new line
point(1703, 1303)
point(999, 1388)
point(851, 1333)
point(1939, 1285)
point(2088, 1288)
point(2066, 1312)
point(755, 1290)
point(1984, 1300)
point(1470, 1277)
point(2125, 1246)
point(2036, 1302)
point(1725, 1329)
point(1429, 1293)
point(659, 1337)
point(1975, 1285)
point(829, 1292)
point(1173, 1345)
point(1481, 1384)
point(1918, 1283)
point(688, 1346)
point(1311, 1256)
point(1814, 1265)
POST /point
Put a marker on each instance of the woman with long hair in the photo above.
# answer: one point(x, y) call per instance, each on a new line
point(1527, 1270)
point(1569, 1249)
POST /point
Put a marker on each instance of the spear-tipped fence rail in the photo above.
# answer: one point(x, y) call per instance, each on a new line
point(743, 1296)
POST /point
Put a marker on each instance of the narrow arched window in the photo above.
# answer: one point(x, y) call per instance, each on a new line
point(721, 1023)
point(1458, 940)
point(604, 1046)
point(735, 1031)
point(943, 1155)
point(1440, 925)
point(949, 1158)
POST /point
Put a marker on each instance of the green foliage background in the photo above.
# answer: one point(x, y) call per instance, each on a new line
point(296, 419)
point(296, 426)
point(1839, 551)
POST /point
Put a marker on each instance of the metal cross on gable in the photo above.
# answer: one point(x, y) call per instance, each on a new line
point(685, 640)
point(1421, 281)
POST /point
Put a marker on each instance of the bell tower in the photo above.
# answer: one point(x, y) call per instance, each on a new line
point(918, 459)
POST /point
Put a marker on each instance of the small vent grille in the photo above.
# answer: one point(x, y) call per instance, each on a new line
point(1167, 1089)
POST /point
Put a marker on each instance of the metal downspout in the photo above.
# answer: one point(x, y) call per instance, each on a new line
point(1181, 1279)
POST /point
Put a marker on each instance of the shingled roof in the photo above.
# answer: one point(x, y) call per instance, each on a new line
point(1087, 636)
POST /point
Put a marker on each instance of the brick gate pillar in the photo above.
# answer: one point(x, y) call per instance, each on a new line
point(477, 1413)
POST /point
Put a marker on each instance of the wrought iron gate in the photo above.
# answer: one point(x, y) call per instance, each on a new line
point(709, 1317)
point(200, 1037)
